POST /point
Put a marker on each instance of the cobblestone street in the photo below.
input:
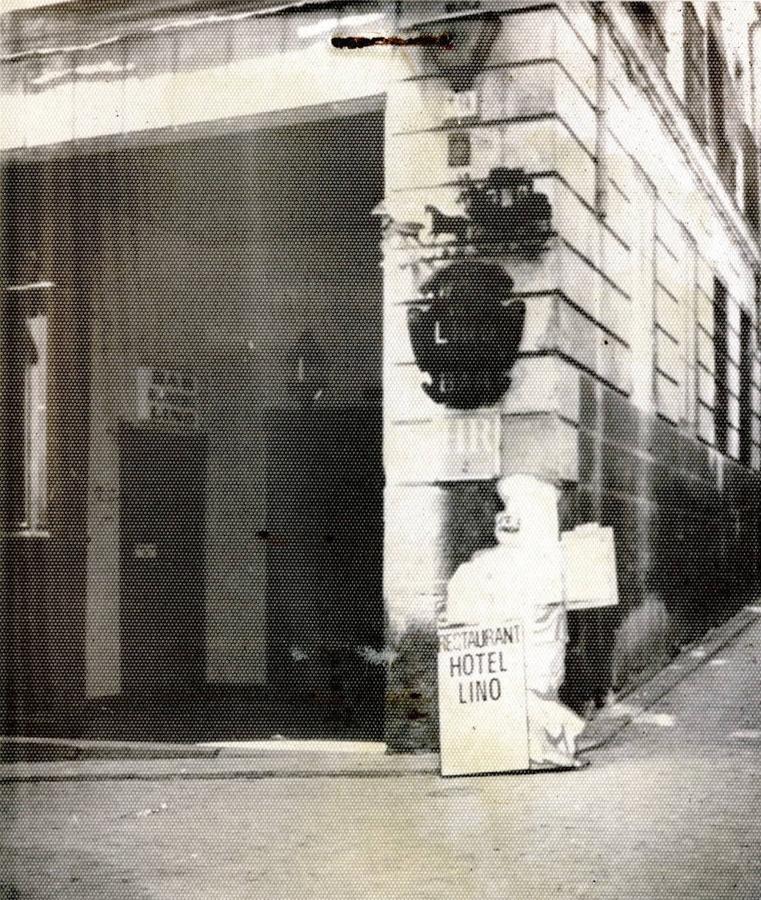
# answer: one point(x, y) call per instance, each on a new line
point(669, 808)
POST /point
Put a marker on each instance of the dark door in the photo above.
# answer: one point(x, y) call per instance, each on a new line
point(162, 487)
point(325, 549)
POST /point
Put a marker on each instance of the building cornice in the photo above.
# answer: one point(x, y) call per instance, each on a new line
point(647, 75)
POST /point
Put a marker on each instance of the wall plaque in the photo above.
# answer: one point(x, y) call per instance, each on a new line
point(469, 448)
point(166, 397)
point(465, 334)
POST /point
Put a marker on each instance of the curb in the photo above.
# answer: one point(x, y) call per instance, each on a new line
point(220, 769)
point(654, 685)
point(74, 749)
point(141, 761)
point(78, 749)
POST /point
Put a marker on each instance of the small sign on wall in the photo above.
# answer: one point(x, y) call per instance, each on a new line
point(483, 718)
point(465, 104)
point(166, 397)
point(462, 447)
point(469, 447)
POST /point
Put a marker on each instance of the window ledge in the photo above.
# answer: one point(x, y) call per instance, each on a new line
point(27, 533)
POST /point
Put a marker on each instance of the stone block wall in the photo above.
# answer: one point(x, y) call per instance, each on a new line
point(531, 114)
point(685, 520)
point(612, 397)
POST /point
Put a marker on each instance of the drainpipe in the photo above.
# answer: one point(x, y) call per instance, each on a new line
point(752, 60)
point(754, 128)
point(601, 140)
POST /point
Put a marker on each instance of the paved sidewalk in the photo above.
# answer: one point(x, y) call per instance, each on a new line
point(60, 759)
point(52, 758)
point(668, 808)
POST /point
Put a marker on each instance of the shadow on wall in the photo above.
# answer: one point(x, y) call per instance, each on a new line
point(663, 605)
point(646, 638)
point(611, 650)
point(412, 713)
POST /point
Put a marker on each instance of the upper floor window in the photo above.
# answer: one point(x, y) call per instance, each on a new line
point(646, 17)
point(721, 393)
point(695, 70)
point(750, 179)
point(27, 336)
point(713, 109)
point(746, 378)
point(718, 80)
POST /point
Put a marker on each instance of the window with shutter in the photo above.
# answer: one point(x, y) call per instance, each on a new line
point(746, 377)
point(750, 179)
point(695, 70)
point(718, 95)
point(721, 396)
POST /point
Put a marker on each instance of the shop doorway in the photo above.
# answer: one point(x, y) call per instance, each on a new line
point(162, 488)
point(325, 558)
point(250, 569)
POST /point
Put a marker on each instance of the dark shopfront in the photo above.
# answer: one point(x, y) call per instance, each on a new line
point(220, 576)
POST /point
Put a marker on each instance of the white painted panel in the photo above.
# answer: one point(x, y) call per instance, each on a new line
point(705, 350)
point(415, 526)
point(733, 346)
point(704, 311)
point(541, 445)
point(705, 277)
point(421, 159)
point(669, 360)
point(585, 287)
point(733, 379)
point(669, 314)
point(669, 230)
point(543, 384)
point(733, 411)
point(643, 208)
point(733, 443)
point(669, 271)
point(706, 387)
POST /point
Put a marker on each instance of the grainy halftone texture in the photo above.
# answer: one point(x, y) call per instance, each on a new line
point(235, 496)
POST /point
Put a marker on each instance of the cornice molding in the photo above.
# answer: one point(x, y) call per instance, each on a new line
point(647, 75)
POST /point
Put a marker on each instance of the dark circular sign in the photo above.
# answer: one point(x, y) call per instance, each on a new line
point(465, 334)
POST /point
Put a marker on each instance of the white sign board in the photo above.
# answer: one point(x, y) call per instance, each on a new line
point(589, 567)
point(483, 721)
point(468, 447)
point(166, 397)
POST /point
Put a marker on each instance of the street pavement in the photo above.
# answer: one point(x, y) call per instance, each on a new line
point(669, 807)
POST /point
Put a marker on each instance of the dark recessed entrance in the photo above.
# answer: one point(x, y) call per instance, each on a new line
point(251, 544)
point(324, 561)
